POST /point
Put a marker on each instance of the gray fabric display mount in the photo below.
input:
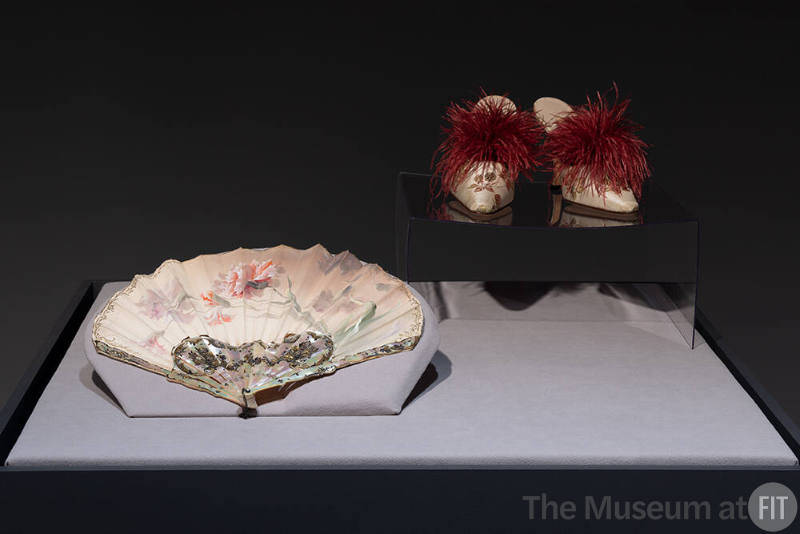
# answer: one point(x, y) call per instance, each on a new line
point(589, 377)
point(375, 387)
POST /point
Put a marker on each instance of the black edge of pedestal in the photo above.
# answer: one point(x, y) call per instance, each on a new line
point(379, 501)
point(20, 404)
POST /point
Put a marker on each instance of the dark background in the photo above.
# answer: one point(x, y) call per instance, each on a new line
point(126, 139)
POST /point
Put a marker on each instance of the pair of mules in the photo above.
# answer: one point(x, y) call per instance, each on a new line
point(592, 150)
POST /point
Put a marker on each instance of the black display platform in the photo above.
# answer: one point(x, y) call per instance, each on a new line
point(661, 247)
point(386, 500)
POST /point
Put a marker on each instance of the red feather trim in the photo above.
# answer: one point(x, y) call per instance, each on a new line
point(596, 146)
point(491, 131)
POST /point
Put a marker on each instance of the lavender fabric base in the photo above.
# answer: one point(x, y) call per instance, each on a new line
point(507, 394)
point(375, 387)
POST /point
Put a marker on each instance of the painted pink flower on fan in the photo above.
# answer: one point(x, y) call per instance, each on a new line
point(153, 305)
point(215, 318)
point(210, 298)
point(246, 279)
point(153, 344)
point(170, 302)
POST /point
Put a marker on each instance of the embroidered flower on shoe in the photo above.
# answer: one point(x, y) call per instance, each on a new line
point(484, 182)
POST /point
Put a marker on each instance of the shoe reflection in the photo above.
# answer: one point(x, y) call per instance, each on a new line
point(454, 210)
point(565, 214)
